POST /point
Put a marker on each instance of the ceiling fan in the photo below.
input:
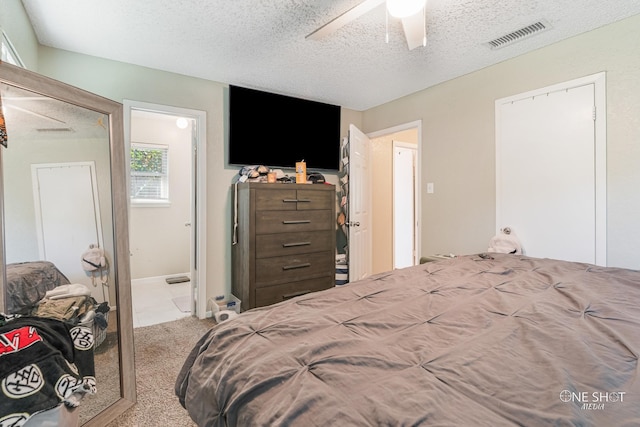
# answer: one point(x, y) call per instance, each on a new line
point(411, 12)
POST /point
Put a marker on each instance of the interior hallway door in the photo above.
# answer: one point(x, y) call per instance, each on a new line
point(359, 220)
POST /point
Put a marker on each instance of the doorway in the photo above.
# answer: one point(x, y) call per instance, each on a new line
point(395, 229)
point(167, 232)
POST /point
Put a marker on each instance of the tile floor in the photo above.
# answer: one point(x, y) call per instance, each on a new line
point(152, 302)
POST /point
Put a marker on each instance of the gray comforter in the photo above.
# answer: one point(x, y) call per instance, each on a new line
point(28, 282)
point(463, 342)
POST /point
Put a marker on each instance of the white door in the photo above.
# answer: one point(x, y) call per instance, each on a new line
point(404, 207)
point(359, 220)
point(68, 217)
point(546, 172)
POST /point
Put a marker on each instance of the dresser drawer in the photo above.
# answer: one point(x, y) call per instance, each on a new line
point(290, 244)
point(279, 293)
point(284, 269)
point(276, 199)
point(281, 199)
point(312, 199)
point(268, 222)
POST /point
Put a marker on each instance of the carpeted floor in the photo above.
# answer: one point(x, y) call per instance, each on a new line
point(160, 351)
point(107, 379)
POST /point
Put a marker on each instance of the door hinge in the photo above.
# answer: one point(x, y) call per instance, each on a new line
point(594, 113)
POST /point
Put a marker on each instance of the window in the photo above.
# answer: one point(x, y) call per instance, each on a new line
point(149, 173)
point(9, 54)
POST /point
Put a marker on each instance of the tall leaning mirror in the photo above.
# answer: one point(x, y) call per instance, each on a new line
point(64, 223)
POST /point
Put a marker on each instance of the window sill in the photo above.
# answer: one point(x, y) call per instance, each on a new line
point(140, 203)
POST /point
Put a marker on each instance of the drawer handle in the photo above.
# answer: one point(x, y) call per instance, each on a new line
point(293, 267)
point(297, 221)
point(290, 245)
point(293, 295)
point(296, 200)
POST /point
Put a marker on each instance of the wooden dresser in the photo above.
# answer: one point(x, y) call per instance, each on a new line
point(285, 241)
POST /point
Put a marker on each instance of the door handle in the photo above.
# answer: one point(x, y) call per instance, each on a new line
point(293, 244)
point(296, 266)
point(353, 224)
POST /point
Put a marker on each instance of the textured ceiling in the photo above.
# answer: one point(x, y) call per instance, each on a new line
point(261, 44)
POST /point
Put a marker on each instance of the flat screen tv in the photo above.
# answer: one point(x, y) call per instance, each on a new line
point(277, 131)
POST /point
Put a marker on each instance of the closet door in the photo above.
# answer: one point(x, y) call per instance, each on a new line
point(547, 172)
point(68, 216)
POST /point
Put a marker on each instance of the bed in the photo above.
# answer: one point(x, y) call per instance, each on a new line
point(492, 340)
point(28, 282)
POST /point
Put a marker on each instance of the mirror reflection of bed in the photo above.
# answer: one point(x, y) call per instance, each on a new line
point(57, 203)
point(40, 289)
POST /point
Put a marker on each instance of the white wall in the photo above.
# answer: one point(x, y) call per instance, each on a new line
point(458, 138)
point(15, 23)
point(159, 240)
point(119, 81)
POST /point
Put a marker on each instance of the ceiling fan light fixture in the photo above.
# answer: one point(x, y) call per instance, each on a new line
point(404, 8)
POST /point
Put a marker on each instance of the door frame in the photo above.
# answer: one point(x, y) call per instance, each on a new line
point(600, 140)
point(198, 250)
point(414, 149)
point(416, 124)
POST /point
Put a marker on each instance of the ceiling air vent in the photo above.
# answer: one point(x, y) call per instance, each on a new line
point(55, 130)
point(518, 35)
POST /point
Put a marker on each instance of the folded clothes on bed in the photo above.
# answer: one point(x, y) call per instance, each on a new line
point(70, 290)
point(69, 308)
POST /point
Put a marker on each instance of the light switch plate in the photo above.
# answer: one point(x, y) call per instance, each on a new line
point(430, 187)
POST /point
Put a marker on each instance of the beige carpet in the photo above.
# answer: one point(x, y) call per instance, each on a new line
point(160, 351)
point(107, 379)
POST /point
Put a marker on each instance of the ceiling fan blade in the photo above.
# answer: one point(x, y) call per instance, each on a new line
point(414, 30)
point(351, 14)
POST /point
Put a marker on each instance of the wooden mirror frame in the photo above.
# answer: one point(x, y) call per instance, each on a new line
point(28, 80)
